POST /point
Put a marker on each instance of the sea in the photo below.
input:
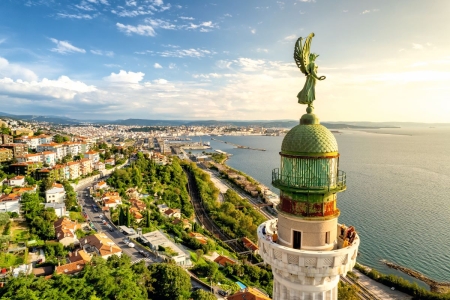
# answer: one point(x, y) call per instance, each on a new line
point(397, 197)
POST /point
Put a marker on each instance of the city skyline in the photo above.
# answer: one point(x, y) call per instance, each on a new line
point(157, 59)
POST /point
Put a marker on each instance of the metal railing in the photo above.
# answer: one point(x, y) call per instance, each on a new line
point(311, 182)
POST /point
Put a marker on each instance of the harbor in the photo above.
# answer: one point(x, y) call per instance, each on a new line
point(238, 146)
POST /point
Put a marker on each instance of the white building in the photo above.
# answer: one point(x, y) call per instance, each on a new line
point(53, 147)
point(93, 155)
point(17, 181)
point(10, 203)
point(56, 194)
point(306, 247)
point(156, 238)
point(60, 209)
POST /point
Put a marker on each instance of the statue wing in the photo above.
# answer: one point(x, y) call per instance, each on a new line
point(301, 53)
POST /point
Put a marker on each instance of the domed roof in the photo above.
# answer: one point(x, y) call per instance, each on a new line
point(314, 139)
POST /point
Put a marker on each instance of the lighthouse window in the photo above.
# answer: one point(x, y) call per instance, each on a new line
point(297, 240)
point(327, 237)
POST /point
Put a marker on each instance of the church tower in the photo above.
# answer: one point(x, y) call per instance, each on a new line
point(306, 246)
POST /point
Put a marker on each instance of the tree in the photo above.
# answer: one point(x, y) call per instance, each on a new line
point(347, 292)
point(171, 283)
point(202, 295)
point(4, 218)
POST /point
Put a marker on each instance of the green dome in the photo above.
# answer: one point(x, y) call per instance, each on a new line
point(314, 140)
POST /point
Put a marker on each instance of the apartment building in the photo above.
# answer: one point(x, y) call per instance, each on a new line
point(52, 147)
point(6, 139)
point(86, 166)
point(74, 169)
point(92, 155)
point(56, 194)
point(17, 149)
point(5, 155)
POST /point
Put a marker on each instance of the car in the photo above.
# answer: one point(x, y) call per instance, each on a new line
point(131, 245)
point(110, 228)
point(126, 240)
point(141, 252)
point(100, 216)
point(222, 293)
point(104, 222)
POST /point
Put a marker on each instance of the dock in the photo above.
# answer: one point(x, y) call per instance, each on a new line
point(238, 146)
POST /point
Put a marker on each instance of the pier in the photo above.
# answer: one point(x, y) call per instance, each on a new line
point(238, 146)
point(435, 286)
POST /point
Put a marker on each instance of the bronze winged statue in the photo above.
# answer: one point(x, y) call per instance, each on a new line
point(306, 63)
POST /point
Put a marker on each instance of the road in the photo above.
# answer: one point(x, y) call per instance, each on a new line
point(116, 236)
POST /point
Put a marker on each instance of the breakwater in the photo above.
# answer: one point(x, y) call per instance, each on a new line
point(435, 286)
point(238, 146)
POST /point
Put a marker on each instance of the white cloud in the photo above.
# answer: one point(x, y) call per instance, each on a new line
point(125, 77)
point(144, 30)
point(84, 6)
point(291, 37)
point(228, 15)
point(186, 53)
point(262, 50)
point(2, 41)
point(157, 66)
point(306, 1)
point(104, 2)
point(158, 23)
point(130, 2)
point(15, 71)
point(64, 47)
point(100, 52)
point(172, 66)
point(253, 31)
point(62, 88)
point(132, 13)
point(417, 46)
point(187, 18)
point(77, 16)
point(367, 11)
point(160, 81)
point(249, 64)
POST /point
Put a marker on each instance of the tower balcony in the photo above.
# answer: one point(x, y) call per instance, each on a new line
point(312, 184)
point(298, 271)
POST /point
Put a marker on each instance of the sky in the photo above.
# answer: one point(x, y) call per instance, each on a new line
point(224, 60)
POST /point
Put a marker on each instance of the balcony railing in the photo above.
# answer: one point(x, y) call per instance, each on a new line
point(316, 182)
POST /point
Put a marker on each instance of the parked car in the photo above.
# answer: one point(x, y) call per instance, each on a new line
point(131, 245)
point(110, 228)
point(222, 293)
point(100, 216)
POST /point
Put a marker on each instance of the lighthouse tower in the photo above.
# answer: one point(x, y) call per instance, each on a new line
point(306, 246)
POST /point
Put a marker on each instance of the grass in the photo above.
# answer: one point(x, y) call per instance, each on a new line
point(20, 232)
point(9, 260)
point(75, 215)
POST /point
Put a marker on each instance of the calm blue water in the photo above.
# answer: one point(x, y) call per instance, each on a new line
point(398, 192)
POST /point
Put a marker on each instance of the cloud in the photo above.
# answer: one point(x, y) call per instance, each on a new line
point(125, 77)
point(105, 53)
point(78, 16)
point(160, 81)
point(172, 66)
point(84, 6)
point(132, 13)
point(367, 11)
point(15, 71)
point(187, 18)
point(62, 88)
point(64, 47)
point(158, 23)
point(2, 41)
point(417, 46)
point(130, 3)
point(157, 66)
point(253, 31)
point(291, 37)
point(304, 1)
point(203, 27)
point(262, 50)
point(112, 65)
point(180, 53)
point(144, 30)
point(228, 15)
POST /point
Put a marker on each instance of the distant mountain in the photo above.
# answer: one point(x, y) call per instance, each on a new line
point(263, 123)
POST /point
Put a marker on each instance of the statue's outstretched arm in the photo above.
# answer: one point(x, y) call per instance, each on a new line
point(313, 74)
